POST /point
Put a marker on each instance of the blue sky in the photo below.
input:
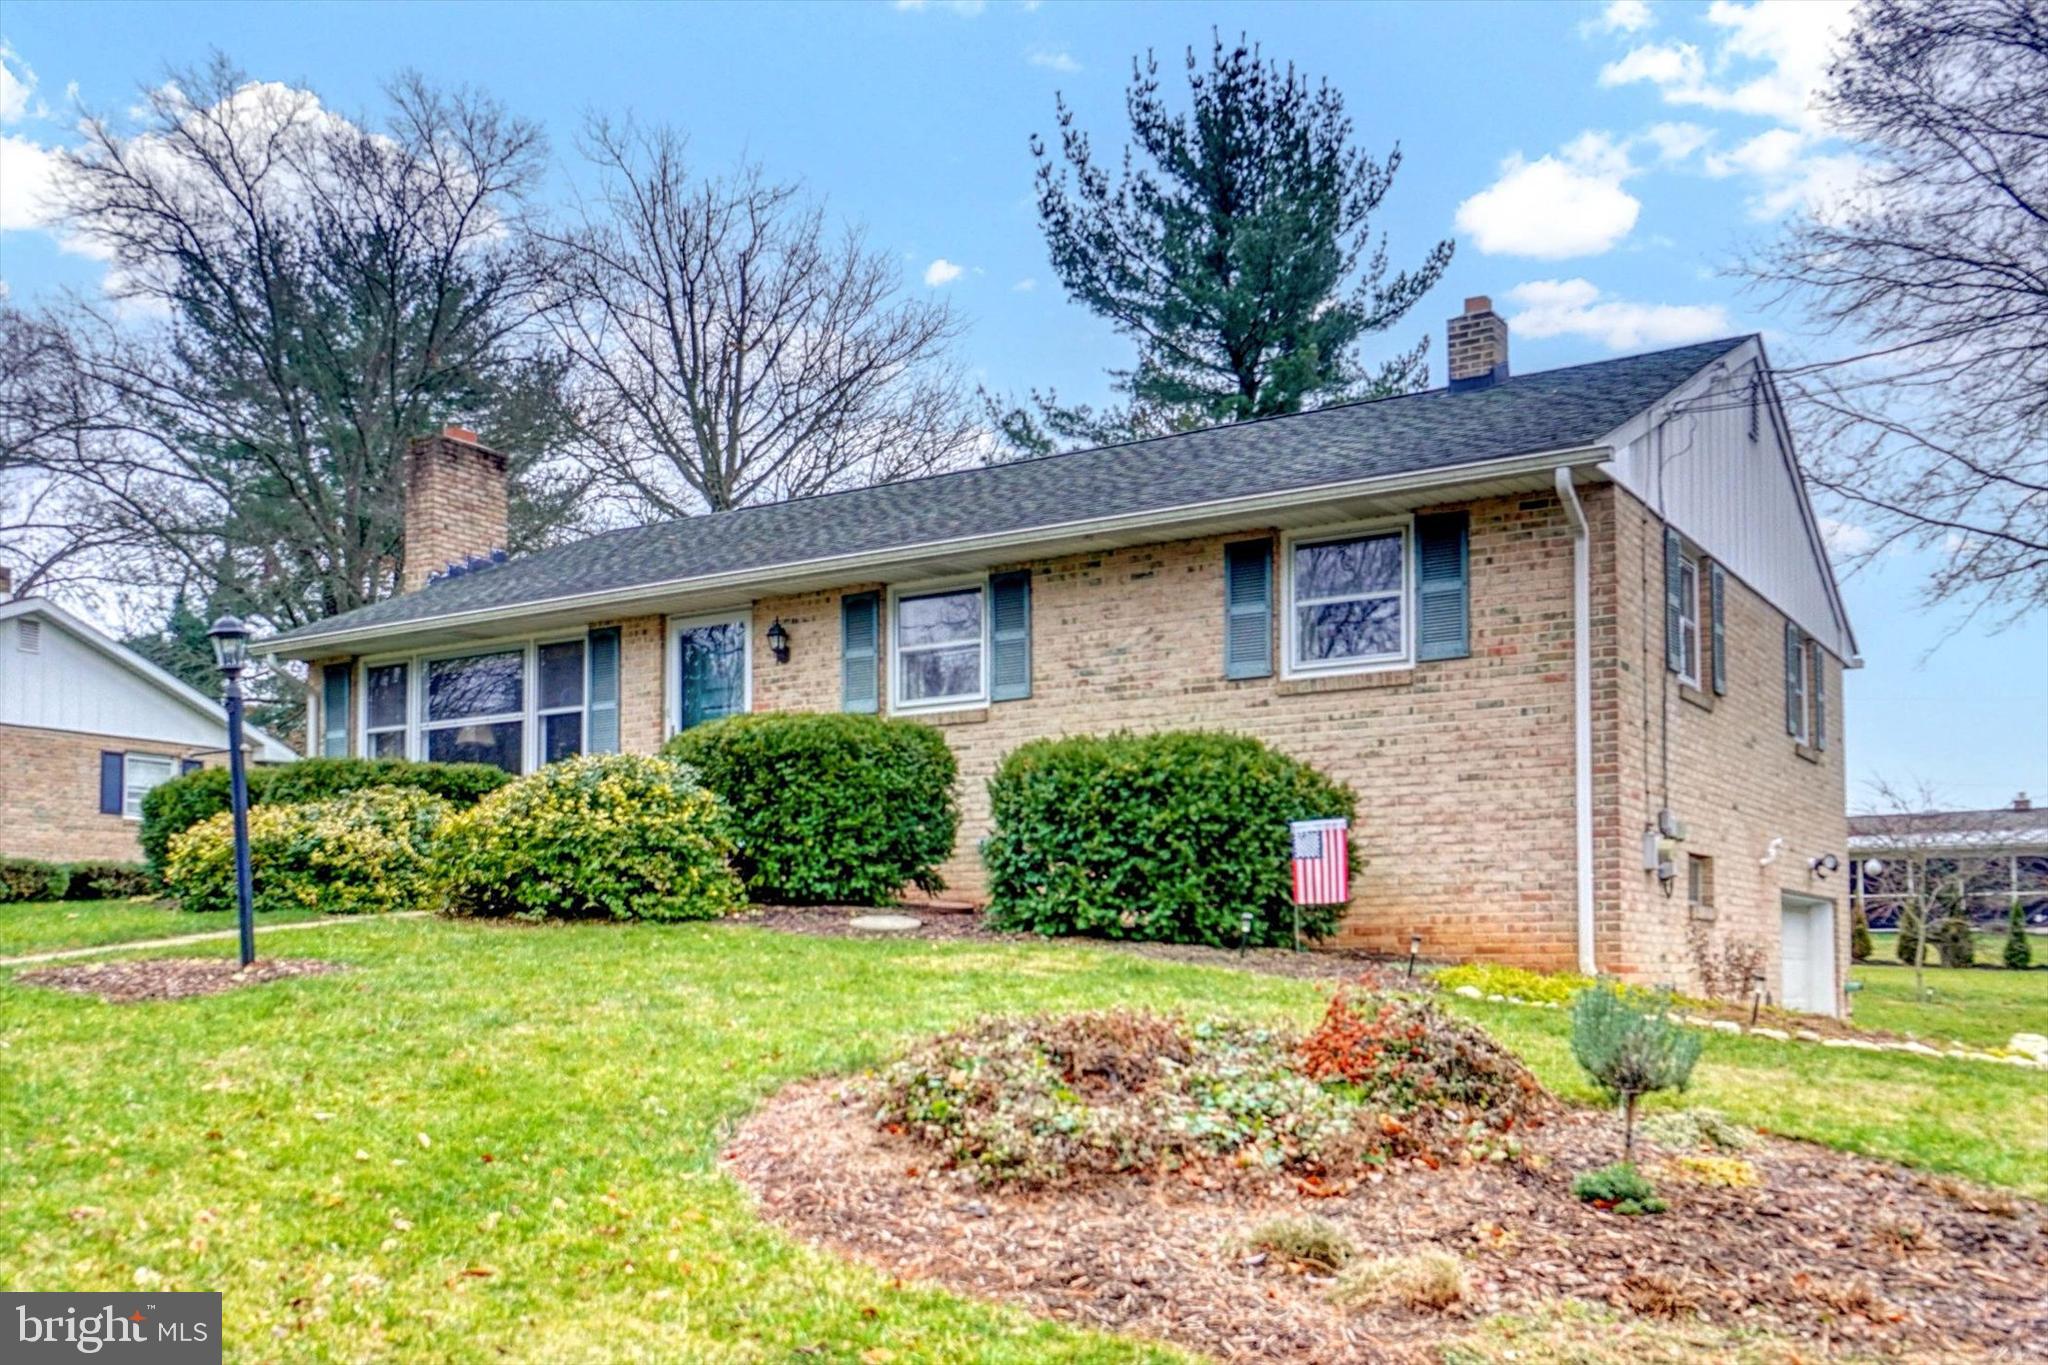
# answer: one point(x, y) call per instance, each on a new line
point(1599, 165)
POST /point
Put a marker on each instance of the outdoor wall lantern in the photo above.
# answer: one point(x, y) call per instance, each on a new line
point(1824, 864)
point(778, 641)
point(231, 654)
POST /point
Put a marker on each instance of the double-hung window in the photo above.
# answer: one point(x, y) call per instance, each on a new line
point(140, 774)
point(385, 703)
point(559, 666)
point(1348, 602)
point(1689, 621)
point(474, 710)
point(941, 648)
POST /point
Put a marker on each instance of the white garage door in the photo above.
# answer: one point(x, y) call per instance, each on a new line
point(1807, 950)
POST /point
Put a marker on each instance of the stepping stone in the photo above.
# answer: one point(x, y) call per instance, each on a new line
point(885, 924)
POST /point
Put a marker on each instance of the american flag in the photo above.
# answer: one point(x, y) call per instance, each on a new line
point(1322, 867)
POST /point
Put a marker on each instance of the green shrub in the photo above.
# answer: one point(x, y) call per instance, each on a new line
point(605, 835)
point(2019, 950)
point(828, 808)
point(1620, 1187)
point(182, 802)
point(1171, 837)
point(25, 879)
point(1630, 1050)
point(1954, 937)
point(108, 881)
point(1859, 937)
point(1912, 926)
point(366, 852)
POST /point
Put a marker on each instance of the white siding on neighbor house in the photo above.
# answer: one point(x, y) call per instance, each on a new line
point(1692, 461)
point(66, 684)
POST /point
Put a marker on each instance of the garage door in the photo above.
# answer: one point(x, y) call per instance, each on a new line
point(1807, 950)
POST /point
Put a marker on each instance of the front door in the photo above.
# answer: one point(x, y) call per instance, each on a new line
point(1806, 950)
point(711, 670)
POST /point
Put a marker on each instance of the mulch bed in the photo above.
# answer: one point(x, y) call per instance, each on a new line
point(1830, 1250)
point(171, 978)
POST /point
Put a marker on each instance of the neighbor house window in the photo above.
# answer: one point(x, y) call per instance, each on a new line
point(1689, 621)
point(384, 708)
point(141, 774)
point(1348, 601)
point(1699, 881)
point(940, 649)
point(559, 667)
point(475, 709)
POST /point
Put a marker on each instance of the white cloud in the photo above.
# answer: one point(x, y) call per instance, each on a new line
point(941, 271)
point(1677, 141)
point(1773, 56)
point(1024, 286)
point(17, 86)
point(1846, 537)
point(1576, 308)
point(1555, 207)
point(1622, 16)
point(27, 173)
point(1053, 59)
point(1670, 66)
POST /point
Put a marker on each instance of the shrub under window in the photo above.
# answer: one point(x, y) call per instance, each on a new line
point(1171, 837)
point(830, 808)
point(366, 852)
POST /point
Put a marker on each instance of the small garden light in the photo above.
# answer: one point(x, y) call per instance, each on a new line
point(1414, 951)
point(231, 653)
point(778, 641)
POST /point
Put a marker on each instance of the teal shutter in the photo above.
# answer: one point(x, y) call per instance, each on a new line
point(1009, 665)
point(1717, 593)
point(1248, 609)
point(1817, 673)
point(1443, 628)
point(1674, 647)
point(1795, 689)
point(601, 728)
point(860, 633)
point(334, 679)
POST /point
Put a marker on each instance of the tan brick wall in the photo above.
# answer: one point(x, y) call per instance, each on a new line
point(456, 504)
point(50, 802)
point(643, 721)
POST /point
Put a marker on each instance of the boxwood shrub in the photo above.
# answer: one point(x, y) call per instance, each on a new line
point(182, 802)
point(1170, 837)
point(25, 879)
point(830, 808)
point(109, 881)
point(364, 852)
point(606, 835)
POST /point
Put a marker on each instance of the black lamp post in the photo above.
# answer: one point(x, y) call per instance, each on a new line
point(231, 652)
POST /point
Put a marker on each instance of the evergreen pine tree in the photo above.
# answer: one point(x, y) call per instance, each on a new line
point(2019, 950)
point(1859, 937)
point(1630, 1050)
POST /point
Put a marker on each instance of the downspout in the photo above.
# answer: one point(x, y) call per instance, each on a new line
point(1582, 712)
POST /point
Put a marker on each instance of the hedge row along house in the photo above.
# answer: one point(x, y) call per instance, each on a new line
point(1572, 636)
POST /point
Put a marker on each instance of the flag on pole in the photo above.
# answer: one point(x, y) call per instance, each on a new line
point(1322, 862)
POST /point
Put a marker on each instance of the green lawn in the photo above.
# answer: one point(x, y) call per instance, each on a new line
point(46, 926)
point(489, 1142)
point(1967, 1005)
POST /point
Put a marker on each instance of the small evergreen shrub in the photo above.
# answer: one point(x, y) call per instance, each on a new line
point(2019, 949)
point(1311, 1241)
point(1859, 937)
point(1912, 924)
point(25, 879)
point(829, 808)
point(1170, 837)
point(1955, 938)
point(182, 802)
point(1620, 1187)
point(1684, 1129)
point(367, 852)
point(603, 836)
point(1630, 1050)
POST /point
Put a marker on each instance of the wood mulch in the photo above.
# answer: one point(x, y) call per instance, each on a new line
point(1830, 1251)
point(171, 978)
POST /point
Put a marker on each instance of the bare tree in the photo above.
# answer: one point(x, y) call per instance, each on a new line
point(1916, 876)
point(731, 347)
point(1933, 271)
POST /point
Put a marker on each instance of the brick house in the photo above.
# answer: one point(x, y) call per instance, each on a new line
point(1572, 636)
point(87, 727)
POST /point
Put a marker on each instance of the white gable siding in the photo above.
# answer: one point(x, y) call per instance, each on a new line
point(67, 684)
point(1692, 461)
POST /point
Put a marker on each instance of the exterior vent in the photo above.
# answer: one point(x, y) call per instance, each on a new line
point(28, 636)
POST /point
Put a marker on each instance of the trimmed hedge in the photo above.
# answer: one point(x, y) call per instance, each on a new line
point(25, 879)
point(605, 835)
point(830, 808)
point(1169, 837)
point(183, 802)
point(364, 852)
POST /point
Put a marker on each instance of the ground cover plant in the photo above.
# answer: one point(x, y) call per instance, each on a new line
point(367, 852)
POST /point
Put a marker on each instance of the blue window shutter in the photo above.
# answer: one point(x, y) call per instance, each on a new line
point(1717, 593)
point(860, 635)
point(112, 781)
point(1817, 675)
point(1443, 591)
point(1009, 665)
point(1674, 647)
point(334, 710)
point(188, 766)
point(601, 728)
point(1248, 609)
point(1795, 698)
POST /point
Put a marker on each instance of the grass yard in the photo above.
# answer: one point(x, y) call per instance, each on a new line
point(1966, 1004)
point(490, 1142)
point(46, 926)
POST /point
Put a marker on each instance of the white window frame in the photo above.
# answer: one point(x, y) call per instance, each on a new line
point(582, 706)
point(405, 729)
point(1690, 654)
point(672, 663)
point(416, 725)
point(422, 727)
point(131, 800)
point(944, 587)
point(1289, 666)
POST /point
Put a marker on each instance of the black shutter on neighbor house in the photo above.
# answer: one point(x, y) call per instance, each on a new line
point(1817, 683)
point(860, 636)
point(112, 782)
point(1717, 593)
point(1674, 646)
point(601, 727)
point(1443, 592)
point(1009, 666)
point(1248, 609)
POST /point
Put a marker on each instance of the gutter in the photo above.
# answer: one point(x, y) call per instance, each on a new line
point(1582, 714)
point(853, 566)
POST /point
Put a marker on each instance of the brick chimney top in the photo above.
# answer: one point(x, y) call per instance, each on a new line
point(2020, 802)
point(6, 582)
point(457, 504)
point(1478, 345)
point(455, 433)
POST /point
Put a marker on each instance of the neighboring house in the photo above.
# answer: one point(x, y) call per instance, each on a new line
point(87, 727)
point(1990, 858)
point(1526, 618)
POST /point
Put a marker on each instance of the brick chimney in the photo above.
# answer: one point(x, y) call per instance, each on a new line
point(456, 502)
point(1478, 347)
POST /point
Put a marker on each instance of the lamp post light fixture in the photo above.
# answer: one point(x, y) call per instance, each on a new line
point(231, 654)
point(778, 641)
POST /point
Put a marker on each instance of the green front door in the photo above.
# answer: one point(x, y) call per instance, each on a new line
point(711, 665)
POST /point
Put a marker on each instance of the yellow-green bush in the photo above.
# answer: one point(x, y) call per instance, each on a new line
point(1556, 988)
point(369, 852)
point(618, 836)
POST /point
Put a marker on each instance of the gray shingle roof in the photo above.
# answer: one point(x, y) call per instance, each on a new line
point(1550, 410)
